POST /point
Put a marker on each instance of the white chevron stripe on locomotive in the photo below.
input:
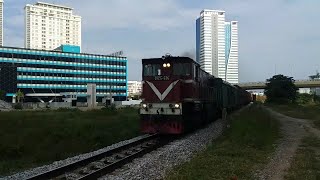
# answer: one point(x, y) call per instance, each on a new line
point(165, 93)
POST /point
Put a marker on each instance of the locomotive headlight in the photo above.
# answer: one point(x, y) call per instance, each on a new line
point(168, 65)
point(177, 105)
point(164, 65)
point(144, 105)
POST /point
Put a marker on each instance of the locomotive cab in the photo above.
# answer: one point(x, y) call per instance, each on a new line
point(167, 83)
point(166, 69)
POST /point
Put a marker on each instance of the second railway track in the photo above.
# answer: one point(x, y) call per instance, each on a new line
point(106, 162)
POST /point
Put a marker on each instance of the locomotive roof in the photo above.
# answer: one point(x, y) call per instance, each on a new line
point(171, 58)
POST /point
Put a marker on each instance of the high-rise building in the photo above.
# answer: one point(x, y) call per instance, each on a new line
point(232, 70)
point(1, 22)
point(49, 25)
point(217, 45)
point(210, 42)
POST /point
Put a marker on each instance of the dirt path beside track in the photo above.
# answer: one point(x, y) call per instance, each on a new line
point(292, 131)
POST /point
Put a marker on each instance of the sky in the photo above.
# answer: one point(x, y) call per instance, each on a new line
point(275, 36)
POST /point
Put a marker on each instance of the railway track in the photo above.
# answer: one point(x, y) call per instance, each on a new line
point(106, 162)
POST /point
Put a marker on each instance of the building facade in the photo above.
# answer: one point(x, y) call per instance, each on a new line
point(41, 75)
point(1, 22)
point(134, 87)
point(47, 26)
point(217, 45)
point(304, 90)
point(231, 52)
point(210, 42)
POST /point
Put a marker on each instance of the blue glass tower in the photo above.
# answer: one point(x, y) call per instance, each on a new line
point(60, 72)
point(198, 40)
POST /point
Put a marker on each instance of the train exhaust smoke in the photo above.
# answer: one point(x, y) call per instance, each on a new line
point(189, 54)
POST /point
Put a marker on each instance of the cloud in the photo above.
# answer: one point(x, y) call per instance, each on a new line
point(274, 33)
point(141, 14)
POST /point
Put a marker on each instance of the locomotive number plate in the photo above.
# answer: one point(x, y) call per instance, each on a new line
point(161, 78)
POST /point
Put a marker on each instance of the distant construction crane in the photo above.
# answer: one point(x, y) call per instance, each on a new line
point(317, 76)
point(116, 54)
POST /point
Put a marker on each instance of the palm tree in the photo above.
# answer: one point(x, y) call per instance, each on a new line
point(19, 95)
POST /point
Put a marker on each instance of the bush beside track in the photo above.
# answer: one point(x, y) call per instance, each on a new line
point(242, 149)
point(32, 138)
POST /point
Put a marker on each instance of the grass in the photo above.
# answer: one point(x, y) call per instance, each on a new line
point(242, 149)
point(32, 138)
point(306, 163)
point(311, 112)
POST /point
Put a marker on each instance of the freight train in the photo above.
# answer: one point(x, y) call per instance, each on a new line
point(178, 96)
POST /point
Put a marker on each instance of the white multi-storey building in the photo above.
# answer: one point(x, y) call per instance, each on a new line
point(217, 45)
point(1, 22)
point(210, 33)
point(50, 25)
point(232, 69)
point(134, 87)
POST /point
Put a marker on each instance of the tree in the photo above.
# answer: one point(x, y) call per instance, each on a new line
point(2, 94)
point(281, 88)
point(19, 96)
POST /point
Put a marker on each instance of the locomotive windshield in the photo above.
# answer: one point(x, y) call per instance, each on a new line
point(152, 70)
point(176, 69)
point(181, 69)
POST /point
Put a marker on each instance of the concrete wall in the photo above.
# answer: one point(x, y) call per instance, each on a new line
point(92, 95)
point(39, 105)
point(131, 103)
point(60, 105)
point(82, 104)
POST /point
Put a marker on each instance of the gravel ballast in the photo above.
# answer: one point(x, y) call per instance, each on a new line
point(151, 166)
point(156, 164)
point(57, 164)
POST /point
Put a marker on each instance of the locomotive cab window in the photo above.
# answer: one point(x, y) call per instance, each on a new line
point(181, 69)
point(195, 72)
point(152, 70)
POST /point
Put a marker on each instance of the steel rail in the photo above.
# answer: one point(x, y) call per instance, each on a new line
point(122, 155)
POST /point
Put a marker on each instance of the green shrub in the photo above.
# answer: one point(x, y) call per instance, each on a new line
point(32, 138)
point(18, 106)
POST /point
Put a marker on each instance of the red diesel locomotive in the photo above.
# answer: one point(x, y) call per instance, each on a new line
point(178, 96)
